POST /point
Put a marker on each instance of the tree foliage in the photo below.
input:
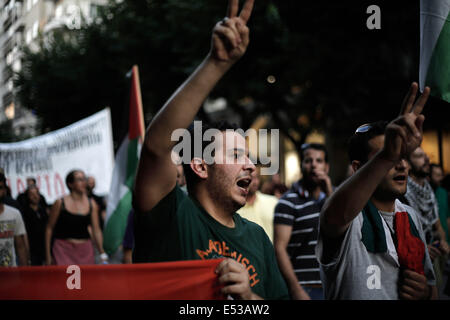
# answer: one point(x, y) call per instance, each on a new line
point(331, 72)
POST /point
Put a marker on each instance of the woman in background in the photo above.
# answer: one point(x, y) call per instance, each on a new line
point(68, 224)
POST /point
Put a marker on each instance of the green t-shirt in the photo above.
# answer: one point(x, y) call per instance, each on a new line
point(178, 228)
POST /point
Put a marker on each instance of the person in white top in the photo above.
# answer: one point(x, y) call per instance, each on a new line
point(12, 233)
point(371, 246)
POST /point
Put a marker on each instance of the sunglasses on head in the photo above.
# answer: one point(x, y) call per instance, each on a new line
point(305, 146)
point(363, 128)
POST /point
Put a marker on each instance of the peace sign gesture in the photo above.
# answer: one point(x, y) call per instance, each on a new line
point(404, 134)
point(230, 36)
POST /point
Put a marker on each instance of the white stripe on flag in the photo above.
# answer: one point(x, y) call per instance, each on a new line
point(118, 188)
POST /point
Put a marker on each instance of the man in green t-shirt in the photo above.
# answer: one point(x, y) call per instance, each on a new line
point(170, 225)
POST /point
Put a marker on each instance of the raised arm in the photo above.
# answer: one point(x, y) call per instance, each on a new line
point(402, 136)
point(156, 174)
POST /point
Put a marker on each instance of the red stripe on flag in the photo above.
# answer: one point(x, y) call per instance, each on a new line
point(180, 280)
point(136, 116)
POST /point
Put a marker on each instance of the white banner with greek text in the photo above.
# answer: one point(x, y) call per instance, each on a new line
point(86, 145)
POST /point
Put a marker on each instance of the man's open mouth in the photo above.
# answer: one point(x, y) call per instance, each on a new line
point(400, 178)
point(244, 182)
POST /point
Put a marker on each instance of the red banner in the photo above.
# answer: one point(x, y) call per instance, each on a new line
point(180, 280)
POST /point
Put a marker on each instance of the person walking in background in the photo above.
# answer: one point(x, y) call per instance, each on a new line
point(22, 198)
point(296, 224)
point(421, 197)
point(371, 245)
point(68, 224)
point(35, 218)
point(259, 207)
point(436, 177)
point(12, 232)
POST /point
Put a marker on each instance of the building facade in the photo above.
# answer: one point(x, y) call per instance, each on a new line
point(21, 22)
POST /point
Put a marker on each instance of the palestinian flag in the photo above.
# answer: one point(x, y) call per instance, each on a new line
point(126, 162)
point(435, 47)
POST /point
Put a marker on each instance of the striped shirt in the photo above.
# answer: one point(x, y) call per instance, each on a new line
point(300, 210)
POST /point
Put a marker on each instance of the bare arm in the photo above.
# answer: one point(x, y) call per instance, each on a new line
point(53, 217)
point(156, 174)
point(282, 234)
point(96, 230)
point(403, 135)
point(21, 249)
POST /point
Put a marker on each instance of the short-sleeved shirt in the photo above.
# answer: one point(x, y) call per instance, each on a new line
point(354, 273)
point(261, 212)
point(297, 208)
point(179, 228)
point(11, 225)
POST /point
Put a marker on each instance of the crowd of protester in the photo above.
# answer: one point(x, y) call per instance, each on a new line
point(387, 223)
point(67, 232)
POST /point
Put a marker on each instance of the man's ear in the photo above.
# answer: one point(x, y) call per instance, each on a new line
point(199, 167)
point(356, 164)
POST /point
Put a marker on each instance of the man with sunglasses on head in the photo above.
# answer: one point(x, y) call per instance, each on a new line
point(371, 245)
point(296, 224)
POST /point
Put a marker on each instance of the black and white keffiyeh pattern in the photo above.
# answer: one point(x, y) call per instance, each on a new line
point(423, 200)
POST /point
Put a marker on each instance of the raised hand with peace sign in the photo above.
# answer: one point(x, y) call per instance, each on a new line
point(230, 39)
point(230, 36)
point(404, 134)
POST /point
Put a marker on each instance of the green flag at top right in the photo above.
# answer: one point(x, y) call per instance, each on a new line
point(434, 70)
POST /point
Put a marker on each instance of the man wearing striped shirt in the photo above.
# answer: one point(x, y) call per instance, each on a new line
point(296, 224)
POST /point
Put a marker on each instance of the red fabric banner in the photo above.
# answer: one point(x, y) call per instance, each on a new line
point(180, 280)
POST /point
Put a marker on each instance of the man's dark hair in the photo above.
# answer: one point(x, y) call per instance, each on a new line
point(191, 177)
point(358, 144)
point(432, 166)
point(315, 146)
point(27, 191)
point(435, 165)
point(70, 178)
